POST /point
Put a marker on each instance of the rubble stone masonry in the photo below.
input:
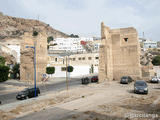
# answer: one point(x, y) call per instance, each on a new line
point(27, 56)
point(119, 54)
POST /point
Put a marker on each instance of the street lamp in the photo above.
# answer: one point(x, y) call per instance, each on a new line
point(34, 48)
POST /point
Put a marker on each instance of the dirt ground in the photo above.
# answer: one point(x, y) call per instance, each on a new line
point(105, 101)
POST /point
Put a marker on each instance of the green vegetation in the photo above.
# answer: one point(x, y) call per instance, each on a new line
point(4, 71)
point(91, 70)
point(47, 47)
point(49, 39)
point(74, 36)
point(2, 61)
point(70, 69)
point(35, 33)
point(156, 60)
point(16, 71)
point(50, 70)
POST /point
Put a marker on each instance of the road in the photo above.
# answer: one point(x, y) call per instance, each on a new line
point(58, 86)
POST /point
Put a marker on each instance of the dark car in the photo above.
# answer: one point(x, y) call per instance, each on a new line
point(126, 80)
point(28, 93)
point(85, 80)
point(94, 79)
point(140, 86)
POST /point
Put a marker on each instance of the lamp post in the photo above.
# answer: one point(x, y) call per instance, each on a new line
point(34, 48)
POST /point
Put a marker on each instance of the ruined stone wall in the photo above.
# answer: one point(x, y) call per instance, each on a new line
point(120, 54)
point(27, 56)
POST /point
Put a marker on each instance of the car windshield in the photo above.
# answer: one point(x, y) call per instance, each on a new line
point(140, 84)
point(125, 77)
point(25, 90)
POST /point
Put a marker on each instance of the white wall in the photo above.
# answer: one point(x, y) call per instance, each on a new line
point(157, 70)
point(78, 71)
point(15, 48)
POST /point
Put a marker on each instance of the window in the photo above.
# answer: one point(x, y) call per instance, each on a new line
point(125, 39)
point(96, 58)
point(83, 58)
point(79, 58)
point(89, 58)
point(63, 68)
point(55, 59)
point(74, 59)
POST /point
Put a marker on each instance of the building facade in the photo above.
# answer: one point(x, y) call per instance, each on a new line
point(147, 44)
point(81, 63)
point(69, 44)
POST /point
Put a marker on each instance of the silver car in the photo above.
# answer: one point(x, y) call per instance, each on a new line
point(155, 80)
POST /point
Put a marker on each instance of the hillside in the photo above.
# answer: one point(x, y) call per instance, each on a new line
point(12, 27)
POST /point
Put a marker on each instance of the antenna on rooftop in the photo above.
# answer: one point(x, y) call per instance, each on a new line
point(143, 34)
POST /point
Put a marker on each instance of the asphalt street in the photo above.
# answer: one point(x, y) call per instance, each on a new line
point(58, 86)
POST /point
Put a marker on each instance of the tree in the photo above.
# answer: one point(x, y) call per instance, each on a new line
point(4, 71)
point(49, 39)
point(50, 70)
point(156, 60)
point(70, 69)
point(2, 60)
point(16, 71)
point(74, 36)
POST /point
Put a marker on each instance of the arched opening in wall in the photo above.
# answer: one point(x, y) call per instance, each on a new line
point(126, 39)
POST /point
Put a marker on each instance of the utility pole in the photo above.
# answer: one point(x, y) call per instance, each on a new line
point(34, 48)
point(35, 68)
point(143, 35)
point(66, 73)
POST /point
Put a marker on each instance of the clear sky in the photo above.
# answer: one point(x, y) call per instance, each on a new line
point(83, 17)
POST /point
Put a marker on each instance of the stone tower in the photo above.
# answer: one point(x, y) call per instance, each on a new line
point(27, 56)
point(119, 54)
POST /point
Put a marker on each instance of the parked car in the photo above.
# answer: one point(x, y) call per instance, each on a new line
point(140, 86)
point(28, 93)
point(85, 80)
point(155, 80)
point(94, 79)
point(126, 80)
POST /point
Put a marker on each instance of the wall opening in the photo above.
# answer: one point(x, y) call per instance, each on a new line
point(126, 39)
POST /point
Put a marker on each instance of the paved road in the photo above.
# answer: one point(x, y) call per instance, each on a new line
point(58, 86)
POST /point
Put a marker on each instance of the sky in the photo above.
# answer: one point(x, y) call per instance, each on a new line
point(84, 17)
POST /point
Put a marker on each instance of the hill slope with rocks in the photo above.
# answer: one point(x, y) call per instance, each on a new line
point(12, 27)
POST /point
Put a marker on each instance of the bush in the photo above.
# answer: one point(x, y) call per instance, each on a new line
point(35, 33)
point(69, 69)
point(50, 70)
point(156, 60)
point(4, 71)
point(2, 60)
point(16, 71)
point(49, 39)
point(74, 36)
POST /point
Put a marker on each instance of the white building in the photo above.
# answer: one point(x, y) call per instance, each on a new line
point(81, 63)
point(147, 44)
point(69, 44)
